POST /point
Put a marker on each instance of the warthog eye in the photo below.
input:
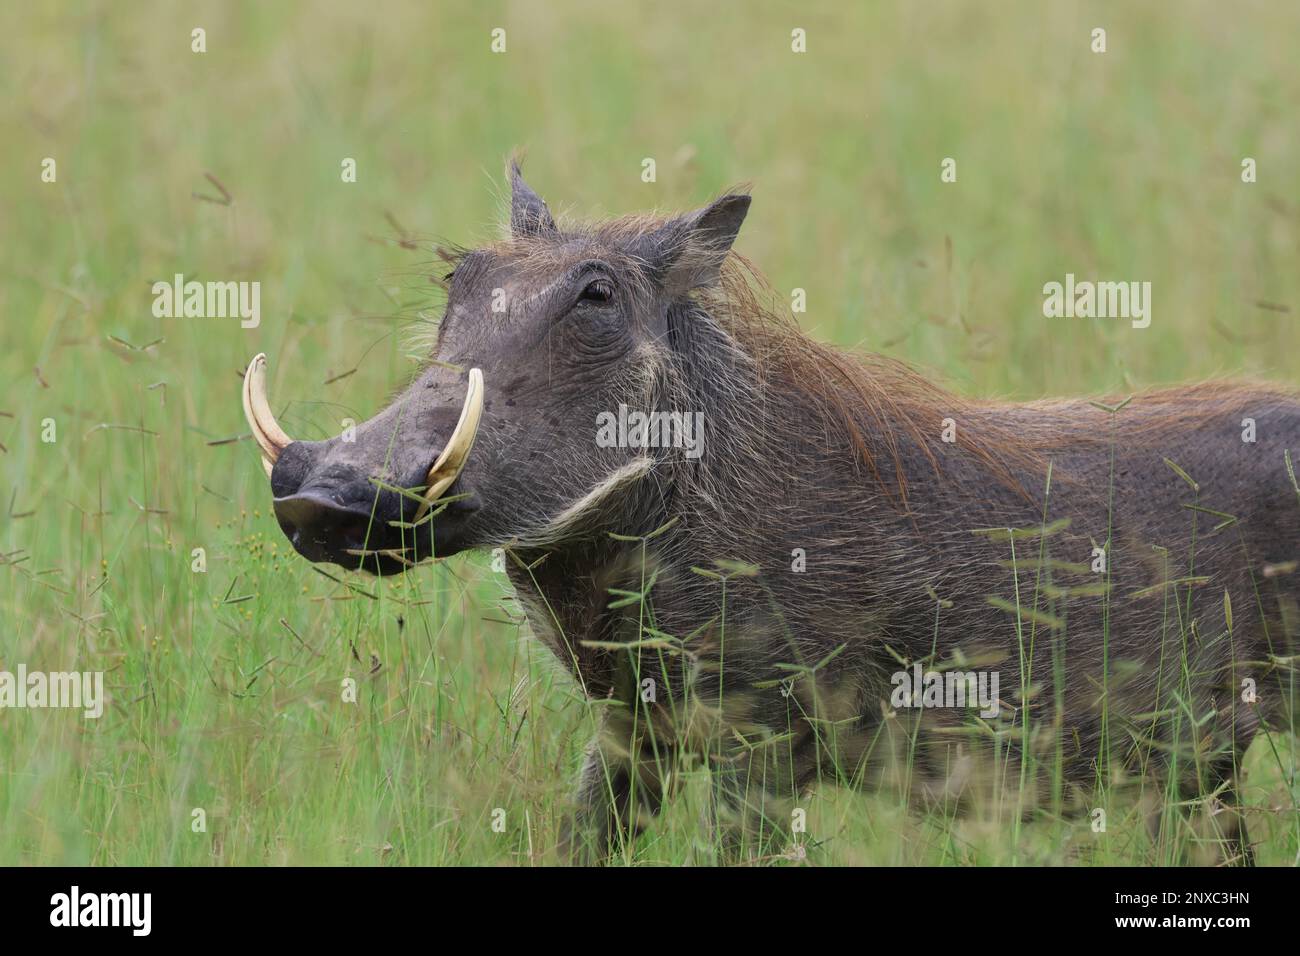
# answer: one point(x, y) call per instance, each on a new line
point(601, 290)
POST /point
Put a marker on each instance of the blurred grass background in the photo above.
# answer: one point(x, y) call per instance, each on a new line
point(1124, 165)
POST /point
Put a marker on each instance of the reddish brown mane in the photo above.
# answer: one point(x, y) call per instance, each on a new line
point(877, 400)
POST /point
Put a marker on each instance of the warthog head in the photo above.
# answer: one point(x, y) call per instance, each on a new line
point(494, 442)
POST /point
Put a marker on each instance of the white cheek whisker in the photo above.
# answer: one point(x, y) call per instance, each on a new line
point(558, 527)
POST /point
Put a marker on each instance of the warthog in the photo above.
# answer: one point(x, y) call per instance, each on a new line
point(1126, 574)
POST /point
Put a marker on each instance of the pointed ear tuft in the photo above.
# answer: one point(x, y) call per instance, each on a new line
point(687, 252)
point(528, 213)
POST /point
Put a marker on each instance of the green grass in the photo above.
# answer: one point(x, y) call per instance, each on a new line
point(226, 685)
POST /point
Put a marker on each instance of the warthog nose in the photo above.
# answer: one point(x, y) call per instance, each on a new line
point(322, 530)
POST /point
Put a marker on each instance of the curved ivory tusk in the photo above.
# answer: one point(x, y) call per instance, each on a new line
point(267, 432)
point(449, 464)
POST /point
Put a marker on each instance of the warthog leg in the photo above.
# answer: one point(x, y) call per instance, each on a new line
point(615, 795)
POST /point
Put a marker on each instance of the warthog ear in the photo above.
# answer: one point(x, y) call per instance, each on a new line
point(687, 252)
point(528, 214)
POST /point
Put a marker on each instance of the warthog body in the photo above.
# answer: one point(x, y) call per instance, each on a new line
point(842, 521)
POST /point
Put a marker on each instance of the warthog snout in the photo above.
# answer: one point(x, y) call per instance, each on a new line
point(334, 506)
point(320, 528)
point(360, 500)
